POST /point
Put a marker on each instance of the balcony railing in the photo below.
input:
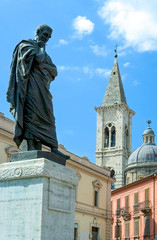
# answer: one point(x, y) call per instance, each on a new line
point(145, 206)
point(124, 212)
point(136, 208)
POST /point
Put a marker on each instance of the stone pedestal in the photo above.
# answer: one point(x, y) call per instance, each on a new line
point(37, 200)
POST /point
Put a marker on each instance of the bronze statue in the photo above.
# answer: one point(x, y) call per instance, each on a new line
point(32, 71)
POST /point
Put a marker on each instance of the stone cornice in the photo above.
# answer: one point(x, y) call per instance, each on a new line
point(89, 167)
point(111, 151)
point(123, 105)
point(141, 165)
point(6, 119)
point(100, 212)
point(102, 215)
point(37, 168)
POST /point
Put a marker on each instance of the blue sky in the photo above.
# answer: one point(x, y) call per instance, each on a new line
point(82, 46)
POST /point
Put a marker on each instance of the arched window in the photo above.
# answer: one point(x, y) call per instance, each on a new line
point(126, 137)
point(113, 137)
point(106, 139)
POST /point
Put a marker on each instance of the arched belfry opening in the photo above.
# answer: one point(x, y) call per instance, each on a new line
point(109, 136)
point(113, 136)
point(106, 137)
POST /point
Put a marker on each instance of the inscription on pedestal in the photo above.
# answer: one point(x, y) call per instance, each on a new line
point(59, 197)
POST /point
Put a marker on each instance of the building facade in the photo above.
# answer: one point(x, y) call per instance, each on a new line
point(93, 195)
point(93, 200)
point(114, 128)
point(134, 210)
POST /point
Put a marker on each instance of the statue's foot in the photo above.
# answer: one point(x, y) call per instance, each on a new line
point(55, 150)
point(30, 144)
point(38, 145)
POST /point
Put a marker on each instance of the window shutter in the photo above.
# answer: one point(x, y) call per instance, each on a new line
point(118, 207)
point(127, 204)
point(136, 202)
point(126, 229)
point(116, 231)
point(147, 226)
point(136, 227)
point(119, 231)
point(147, 197)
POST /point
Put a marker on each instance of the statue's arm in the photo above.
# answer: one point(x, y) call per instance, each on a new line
point(50, 68)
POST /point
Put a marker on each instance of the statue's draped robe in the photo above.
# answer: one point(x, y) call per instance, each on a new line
point(29, 95)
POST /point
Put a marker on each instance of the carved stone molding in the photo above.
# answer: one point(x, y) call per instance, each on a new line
point(37, 168)
point(79, 175)
point(97, 184)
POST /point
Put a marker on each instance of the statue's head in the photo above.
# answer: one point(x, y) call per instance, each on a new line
point(43, 33)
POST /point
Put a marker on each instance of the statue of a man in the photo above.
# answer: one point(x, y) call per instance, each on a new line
point(32, 71)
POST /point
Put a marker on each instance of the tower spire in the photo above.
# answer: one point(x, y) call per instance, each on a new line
point(114, 93)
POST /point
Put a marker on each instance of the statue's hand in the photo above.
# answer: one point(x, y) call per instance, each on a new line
point(41, 44)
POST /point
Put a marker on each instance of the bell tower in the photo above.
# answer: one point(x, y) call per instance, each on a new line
point(114, 128)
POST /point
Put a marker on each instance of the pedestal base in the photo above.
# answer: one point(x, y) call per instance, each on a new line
point(37, 200)
point(28, 155)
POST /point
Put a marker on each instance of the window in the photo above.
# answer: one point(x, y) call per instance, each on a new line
point(126, 204)
point(118, 230)
point(146, 139)
point(76, 231)
point(110, 135)
point(96, 191)
point(118, 207)
point(128, 180)
point(136, 227)
point(147, 226)
point(106, 143)
point(126, 137)
point(113, 137)
point(127, 230)
point(95, 233)
point(136, 202)
point(96, 198)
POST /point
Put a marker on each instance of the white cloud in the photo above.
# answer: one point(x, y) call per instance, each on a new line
point(133, 22)
point(126, 64)
point(63, 42)
point(135, 83)
point(63, 68)
point(99, 50)
point(82, 26)
point(103, 72)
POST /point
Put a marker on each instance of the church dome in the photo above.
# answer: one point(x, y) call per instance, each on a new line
point(148, 151)
point(148, 131)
